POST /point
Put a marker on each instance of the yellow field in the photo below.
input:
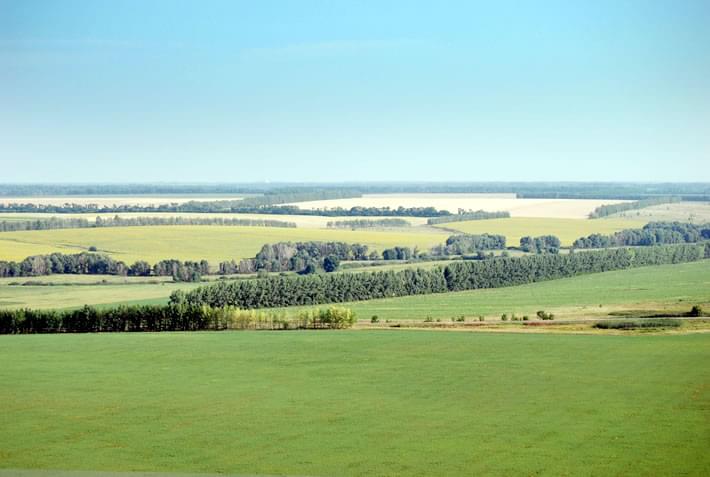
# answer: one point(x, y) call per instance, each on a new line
point(301, 221)
point(568, 230)
point(116, 200)
point(195, 242)
point(552, 208)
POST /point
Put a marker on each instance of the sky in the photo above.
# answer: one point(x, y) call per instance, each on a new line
point(244, 91)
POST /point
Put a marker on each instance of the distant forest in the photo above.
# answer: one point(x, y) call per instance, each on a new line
point(569, 190)
point(610, 209)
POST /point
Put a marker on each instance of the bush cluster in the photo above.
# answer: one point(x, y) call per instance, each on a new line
point(175, 317)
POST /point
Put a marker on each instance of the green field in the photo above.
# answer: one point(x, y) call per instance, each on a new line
point(568, 230)
point(195, 242)
point(357, 403)
point(661, 287)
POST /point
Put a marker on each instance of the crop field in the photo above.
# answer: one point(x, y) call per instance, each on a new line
point(195, 242)
point(694, 212)
point(568, 230)
point(356, 403)
point(551, 208)
point(301, 221)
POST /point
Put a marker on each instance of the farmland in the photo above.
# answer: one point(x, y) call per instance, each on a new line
point(550, 208)
point(567, 230)
point(194, 242)
point(669, 287)
point(116, 200)
point(265, 403)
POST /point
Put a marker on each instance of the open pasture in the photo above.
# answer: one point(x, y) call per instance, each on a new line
point(195, 242)
point(552, 208)
point(346, 403)
point(568, 230)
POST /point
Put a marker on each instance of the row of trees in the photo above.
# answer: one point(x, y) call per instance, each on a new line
point(117, 221)
point(368, 223)
point(465, 215)
point(462, 244)
point(174, 317)
point(245, 206)
point(653, 233)
point(541, 244)
point(610, 209)
point(98, 264)
point(302, 257)
point(280, 291)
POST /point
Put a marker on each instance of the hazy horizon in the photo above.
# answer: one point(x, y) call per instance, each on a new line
point(318, 92)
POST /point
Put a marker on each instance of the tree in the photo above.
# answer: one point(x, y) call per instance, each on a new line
point(331, 263)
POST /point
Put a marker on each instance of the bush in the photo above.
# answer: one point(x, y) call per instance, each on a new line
point(545, 316)
point(637, 324)
point(375, 319)
point(696, 311)
point(504, 317)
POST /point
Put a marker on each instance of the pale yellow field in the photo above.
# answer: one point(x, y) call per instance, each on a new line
point(301, 221)
point(567, 230)
point(695, 212)
point(195, 242)
point(118, 200)
point(546, 208)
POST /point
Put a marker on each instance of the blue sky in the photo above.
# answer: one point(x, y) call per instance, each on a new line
point(337, 91)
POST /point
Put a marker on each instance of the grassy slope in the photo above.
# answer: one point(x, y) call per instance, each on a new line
point(648, 287)
point(364, 403)
point(568, 230)
point(194, 242)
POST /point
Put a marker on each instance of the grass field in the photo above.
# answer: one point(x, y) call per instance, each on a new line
point(672, 287)
point(568, 230)
point(194, 242)
point(357, 403)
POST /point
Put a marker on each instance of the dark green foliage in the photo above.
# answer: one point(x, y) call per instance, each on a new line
point(696, 311)
point(397, 253)
point(331, 263)
point(464, 215)
point(542, 315)
point(462, 244)
point(179, 316)
point(289, 256)
point(653, 233)
point(98, 264)
point(542, 244)
point(638, 324)
point(606, 210)
point(368, 223)
point(462, 275)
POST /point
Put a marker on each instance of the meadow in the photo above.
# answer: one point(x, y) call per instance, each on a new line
point(567, 230)
point(356, 403)
point(196, 242)
point(694, 212)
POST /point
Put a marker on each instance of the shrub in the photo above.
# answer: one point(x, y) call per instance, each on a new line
point(638, 324)
point(545, 316)
point(375, 319)
point(504, 317)
point(696, 311)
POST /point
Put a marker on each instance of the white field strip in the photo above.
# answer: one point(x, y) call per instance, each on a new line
point(118, 200)
point(545, 208)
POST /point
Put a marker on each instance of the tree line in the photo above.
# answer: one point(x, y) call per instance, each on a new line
point(99, 264)
point(463, 216)
point(281, 291)
point(174, 317)
point(461, 244)
point(610, 209)
point(653, 233)
point(117, 221)
point(224, 206)
point(368, 224)
point(541, 244)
